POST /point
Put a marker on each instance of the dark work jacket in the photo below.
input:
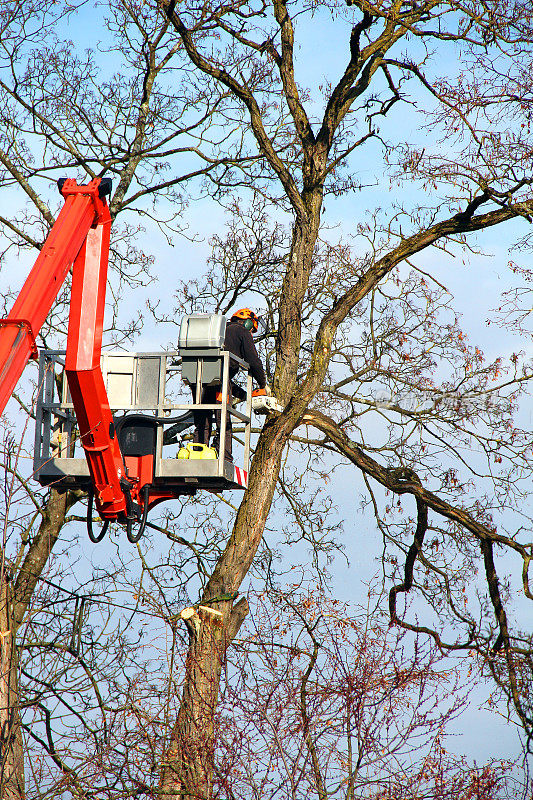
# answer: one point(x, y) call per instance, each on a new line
point(240, 342)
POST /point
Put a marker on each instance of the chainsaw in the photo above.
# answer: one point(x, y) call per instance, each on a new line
point(262, 403)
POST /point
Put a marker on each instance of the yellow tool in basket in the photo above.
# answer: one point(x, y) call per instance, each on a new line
point(197, 451)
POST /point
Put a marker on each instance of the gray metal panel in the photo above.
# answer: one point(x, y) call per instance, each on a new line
point(188, 468)
point(202, 352)
point(170, 468)
point(194, 468)
point(55, 469)
point(148, 382)
point(119, 378)
point(202, 330)
point(200, 474)
point(211, 370)
point(70, 466)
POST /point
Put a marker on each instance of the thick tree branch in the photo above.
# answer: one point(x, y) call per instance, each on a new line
point(244, 94)
point(401, 482)
point(463, 222)
point(25, 185)
point(53, 517)
point(286, 69)
point(503, 638)
point(414, 550)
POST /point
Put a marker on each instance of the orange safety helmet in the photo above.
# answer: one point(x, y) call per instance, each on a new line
point(248, 318)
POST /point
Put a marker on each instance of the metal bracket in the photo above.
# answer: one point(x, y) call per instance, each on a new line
point(25, 325)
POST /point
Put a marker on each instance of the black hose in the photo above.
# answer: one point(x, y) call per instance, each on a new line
point(144, 518)
point(134, 538)
point(130, 516)
point(105, 526)
point(180, 418)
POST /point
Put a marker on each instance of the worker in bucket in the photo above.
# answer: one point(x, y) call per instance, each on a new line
point(238, 340)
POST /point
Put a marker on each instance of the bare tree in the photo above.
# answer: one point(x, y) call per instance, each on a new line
point(318, 699)
point(327, 700)
point(478, 178)
point(355, 326)
point(63, 114)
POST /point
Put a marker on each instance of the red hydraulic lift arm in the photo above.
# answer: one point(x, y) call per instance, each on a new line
point(79, 237)
point(84, 374)
point(19, 329)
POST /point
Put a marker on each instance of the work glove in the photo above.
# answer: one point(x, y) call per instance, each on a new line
point(268, 390)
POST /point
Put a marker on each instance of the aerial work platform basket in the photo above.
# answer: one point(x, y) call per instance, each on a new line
point(125, 423)
point(146, 422)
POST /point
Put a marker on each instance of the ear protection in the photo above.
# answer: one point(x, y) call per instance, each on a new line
point(247, 318)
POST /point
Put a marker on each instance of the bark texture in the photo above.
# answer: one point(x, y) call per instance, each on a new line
point(15, 597)
point(187, 772)
point(11, 752)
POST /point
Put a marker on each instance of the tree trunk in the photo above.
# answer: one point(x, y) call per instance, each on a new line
point(11, 753)
point(187, 771)
point(295, 284)
point(15, 596)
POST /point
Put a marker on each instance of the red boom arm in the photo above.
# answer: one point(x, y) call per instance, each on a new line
point(21, 326)
point(79, 237)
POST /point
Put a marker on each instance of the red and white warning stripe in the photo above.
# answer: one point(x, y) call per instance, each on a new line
point(241, 477)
